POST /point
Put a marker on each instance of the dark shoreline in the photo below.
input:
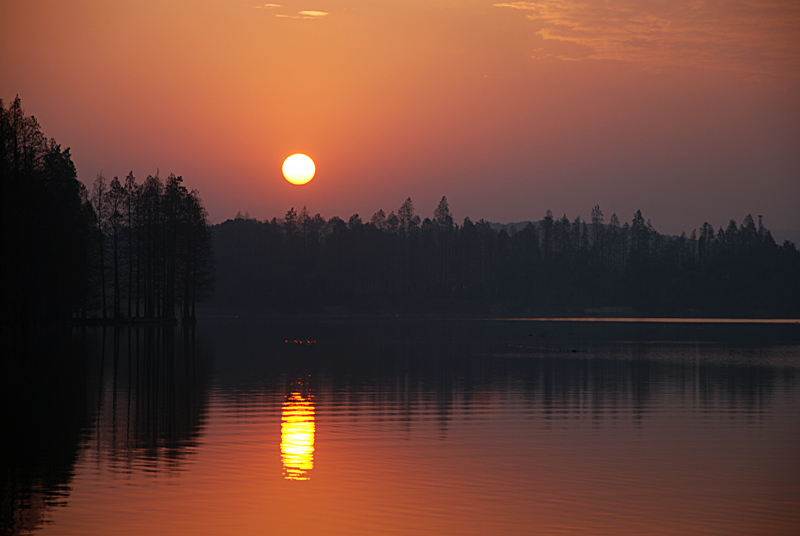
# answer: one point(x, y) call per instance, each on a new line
point(125, 322)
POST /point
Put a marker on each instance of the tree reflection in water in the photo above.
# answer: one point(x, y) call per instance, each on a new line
point(44, 412)
point(124, 399)
point(152, 399)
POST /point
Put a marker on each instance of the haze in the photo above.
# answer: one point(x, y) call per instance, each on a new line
point(688, 111)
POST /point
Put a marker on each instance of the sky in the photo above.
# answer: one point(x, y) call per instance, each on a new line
point(686, 110)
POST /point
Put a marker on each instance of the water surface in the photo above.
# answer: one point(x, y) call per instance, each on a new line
point(424, 426)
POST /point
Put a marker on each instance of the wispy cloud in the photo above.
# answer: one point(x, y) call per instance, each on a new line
point(268, 6)
point(314, 13)
point(304, 15)
point(748, 35)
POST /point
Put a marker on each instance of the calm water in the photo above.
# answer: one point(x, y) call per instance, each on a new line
point(406, 426)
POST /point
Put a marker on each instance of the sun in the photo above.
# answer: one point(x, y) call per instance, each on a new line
point(298, 169)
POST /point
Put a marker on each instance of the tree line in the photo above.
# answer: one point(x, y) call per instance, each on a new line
point(402, 263)
point(153, 247)
point(46, 223)
point(127, 251)
point(120, 251)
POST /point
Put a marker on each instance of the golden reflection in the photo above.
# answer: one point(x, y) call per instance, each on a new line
point(297, 437)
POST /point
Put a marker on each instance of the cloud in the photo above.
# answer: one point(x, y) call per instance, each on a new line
point(304, 15)
point(314, 14)
point(747, 35)
point(519, 5)
point(267, 6)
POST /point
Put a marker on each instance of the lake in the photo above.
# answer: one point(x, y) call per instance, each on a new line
point(256, 425)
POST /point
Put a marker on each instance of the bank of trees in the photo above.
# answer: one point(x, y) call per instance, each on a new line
point(153, 248)
point(46, 224)
point(400, 262)
point(120, 251)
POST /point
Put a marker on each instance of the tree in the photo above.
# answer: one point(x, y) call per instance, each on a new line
point(408, 220)
point(597, 233)
point(706, 240)
point(640, 239)
point(115, 205)
point(196, 255)
point(131, 201)
point(379, 220)
point(547, 240)
point(392, 222)
point(99, 200)
point(442, 217)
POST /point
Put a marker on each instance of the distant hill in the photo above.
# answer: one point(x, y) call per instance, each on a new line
point(779, 235)
point(792, 235)
point(519, 225)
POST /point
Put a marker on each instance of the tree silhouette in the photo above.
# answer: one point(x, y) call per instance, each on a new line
point(46, 224)
point(159, 241)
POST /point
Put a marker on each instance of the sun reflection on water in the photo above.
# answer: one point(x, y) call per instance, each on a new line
point(297, 437)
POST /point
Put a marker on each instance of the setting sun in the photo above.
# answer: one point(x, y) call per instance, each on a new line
point(298, 169)
point(548, 279)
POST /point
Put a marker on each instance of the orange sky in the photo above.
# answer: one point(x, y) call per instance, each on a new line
point(688, 111)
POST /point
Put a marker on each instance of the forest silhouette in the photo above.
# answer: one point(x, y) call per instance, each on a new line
point(46, 224)
point(125, 251)
point(402, 263)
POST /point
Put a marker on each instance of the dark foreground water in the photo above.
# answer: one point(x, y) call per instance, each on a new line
point(398, 426)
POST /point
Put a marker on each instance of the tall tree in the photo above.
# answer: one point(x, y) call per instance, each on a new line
point(99, 198)
point(115, 204)
point(131, 202)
